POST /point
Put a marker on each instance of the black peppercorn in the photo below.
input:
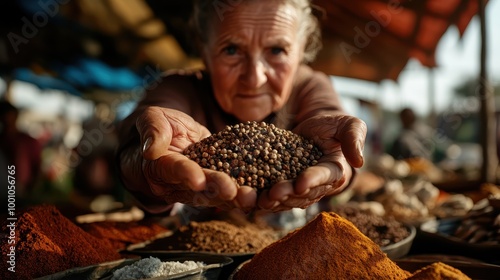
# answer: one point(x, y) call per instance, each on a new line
point(255, 153)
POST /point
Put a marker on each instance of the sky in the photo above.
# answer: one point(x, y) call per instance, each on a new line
point(457, 59)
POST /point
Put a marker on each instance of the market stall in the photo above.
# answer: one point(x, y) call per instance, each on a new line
point(395, 222)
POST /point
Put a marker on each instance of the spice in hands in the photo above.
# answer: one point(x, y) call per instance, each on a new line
point(255, 154)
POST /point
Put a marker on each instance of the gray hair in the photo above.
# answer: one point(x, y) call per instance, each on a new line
point(206, 10)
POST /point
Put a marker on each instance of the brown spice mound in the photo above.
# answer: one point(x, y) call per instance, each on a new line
point(381, 230)
point(217, 237)
point(255, 154)
point(328, 247)
point(438, 271)
point(122, 234)
point(47, 242)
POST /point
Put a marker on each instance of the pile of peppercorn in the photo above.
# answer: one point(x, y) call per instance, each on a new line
point(255, 154)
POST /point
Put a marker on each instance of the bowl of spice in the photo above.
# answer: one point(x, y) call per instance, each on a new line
point(172, 265)
point(238, 242)
point(394, 238)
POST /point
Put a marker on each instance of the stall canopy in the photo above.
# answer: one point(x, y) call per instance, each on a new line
point(364, 39)
point(374, 39)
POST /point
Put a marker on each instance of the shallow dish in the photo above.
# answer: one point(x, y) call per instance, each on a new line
point(226, 270)
point(441, 243)
point(401, 248)
point(212, 270)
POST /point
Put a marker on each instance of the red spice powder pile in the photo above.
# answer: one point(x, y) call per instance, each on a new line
point(122, 234)
point(47, 242)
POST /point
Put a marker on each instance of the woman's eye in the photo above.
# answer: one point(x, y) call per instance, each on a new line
point(230, 50)
point(277, 50)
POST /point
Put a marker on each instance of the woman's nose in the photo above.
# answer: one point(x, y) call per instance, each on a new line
point(255, 74)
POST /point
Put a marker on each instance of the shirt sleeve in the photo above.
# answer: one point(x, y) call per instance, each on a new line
point(313, 94)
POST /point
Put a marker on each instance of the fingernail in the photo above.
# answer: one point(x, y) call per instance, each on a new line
point(285, 198)
point(305, 192)
point(360, 146)
point(276, 204)
point(147, 144)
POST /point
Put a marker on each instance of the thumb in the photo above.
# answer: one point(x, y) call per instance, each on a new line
point(352, 137)
point(155, 133)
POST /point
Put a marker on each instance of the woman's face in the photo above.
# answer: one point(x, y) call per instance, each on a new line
point(252, 54)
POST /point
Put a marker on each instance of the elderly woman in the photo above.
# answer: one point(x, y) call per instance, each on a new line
point(255, 54)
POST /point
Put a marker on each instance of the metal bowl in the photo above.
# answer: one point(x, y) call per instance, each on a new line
point(226, 270)
point(211, 271)
point(401, 248)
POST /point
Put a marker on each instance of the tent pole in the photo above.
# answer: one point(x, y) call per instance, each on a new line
point(487, 110)
point(432, 117)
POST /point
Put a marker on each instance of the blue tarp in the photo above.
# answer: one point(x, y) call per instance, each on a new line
point(84, 74)
point(93, 73)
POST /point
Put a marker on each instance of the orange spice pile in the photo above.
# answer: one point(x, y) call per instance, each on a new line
point(438, 271)
point(328, 246)
point(331, 247)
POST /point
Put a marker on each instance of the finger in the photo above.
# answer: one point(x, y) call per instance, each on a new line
point(203, 132)
point(175, 168)
point(314, 195)
point(352, 136)
point(281, 190)
point(155, 133)
point(298, 203)
point(246, 197)
point(220, 185)
point(324, 173)
point(280, 208)
point(264, 202)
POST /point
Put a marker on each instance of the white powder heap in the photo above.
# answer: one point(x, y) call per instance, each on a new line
point(153, 267)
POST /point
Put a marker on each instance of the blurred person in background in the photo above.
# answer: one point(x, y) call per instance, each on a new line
point(416, 145)
point(415, 138)
point(20, 150)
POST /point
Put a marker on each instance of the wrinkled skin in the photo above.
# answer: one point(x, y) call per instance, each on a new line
point(340, 138)
point(172, 175)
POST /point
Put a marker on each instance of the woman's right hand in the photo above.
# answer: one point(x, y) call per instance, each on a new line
point(172, 176)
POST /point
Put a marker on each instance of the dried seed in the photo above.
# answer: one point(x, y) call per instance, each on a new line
point(255, 154)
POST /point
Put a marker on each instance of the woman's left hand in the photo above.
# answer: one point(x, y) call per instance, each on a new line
point(341, 138)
